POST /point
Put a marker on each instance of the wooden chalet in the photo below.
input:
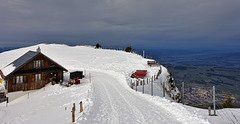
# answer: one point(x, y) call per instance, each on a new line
point(33, 70)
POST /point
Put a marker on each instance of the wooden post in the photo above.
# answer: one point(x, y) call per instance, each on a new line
point(163, 89)
point(90, 77)
point(182, 92)
point(152, 87)
point(209, 111)
point(73, 115)
point(81, 108)
point(74, 106)
point(214, 104)
point(7, 102)
point(136, 85)
point(143, 86)
point(143, 53)
point(131, 83)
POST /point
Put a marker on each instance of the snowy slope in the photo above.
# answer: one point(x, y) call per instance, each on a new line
point(108, 99)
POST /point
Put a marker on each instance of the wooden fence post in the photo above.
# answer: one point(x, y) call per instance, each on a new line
point(143, 53)
point(214, 104)
point(7, 102)
point(73, 114)
point(152, 87)
point(182, 92)
point(74, 106)
point(163, 89)
point(81, 108)
point(90, 77)
point(209, 111)
point(136, 85)
point(131, 82)
point(143, 86)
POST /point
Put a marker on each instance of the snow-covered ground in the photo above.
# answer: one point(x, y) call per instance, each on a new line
point(108, 99)
point(50, 105)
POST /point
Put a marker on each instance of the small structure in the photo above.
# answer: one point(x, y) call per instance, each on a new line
point(139, 74)
point(31, 71)
point(76, 74)
point(152, 63)
point(74, 77)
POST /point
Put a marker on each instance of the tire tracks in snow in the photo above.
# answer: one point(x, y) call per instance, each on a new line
point(140, 109)
point(115, 104)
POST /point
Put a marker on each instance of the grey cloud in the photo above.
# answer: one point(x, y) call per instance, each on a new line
point(156, 21)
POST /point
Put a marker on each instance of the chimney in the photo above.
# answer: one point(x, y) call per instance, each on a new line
point(38, 50)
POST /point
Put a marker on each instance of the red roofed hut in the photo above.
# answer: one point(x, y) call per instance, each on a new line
point(139, 74)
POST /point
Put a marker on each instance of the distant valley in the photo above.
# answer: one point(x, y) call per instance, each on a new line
point(200, 70)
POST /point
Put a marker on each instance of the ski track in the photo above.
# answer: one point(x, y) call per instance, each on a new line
point(114, 104)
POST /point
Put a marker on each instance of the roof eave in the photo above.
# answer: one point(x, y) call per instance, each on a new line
point(3, 76)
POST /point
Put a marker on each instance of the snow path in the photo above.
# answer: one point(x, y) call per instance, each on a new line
point(112, 103)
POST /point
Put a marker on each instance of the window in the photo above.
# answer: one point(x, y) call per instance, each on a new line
point(37, 77)
point(38, 63)
point(19, 79)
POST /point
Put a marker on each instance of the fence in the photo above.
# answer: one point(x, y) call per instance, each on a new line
point(74, 111)
point(141, 82)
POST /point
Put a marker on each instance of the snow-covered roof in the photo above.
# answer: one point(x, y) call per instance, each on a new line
point(15, 65)
point(18, 62)
point(24, 58)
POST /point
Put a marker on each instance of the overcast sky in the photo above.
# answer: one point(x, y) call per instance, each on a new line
point(177, 23)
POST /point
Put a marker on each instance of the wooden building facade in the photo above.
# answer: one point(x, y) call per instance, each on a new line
point(32, 71)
